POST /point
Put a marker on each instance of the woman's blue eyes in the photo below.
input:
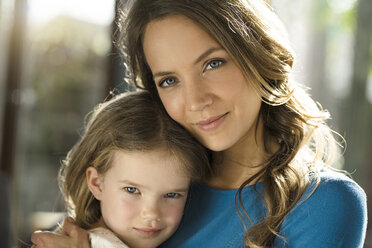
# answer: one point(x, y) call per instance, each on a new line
point(131, 190)
point(214, 64)
point(167, 82)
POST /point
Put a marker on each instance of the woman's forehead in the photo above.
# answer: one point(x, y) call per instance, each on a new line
point(175, 38)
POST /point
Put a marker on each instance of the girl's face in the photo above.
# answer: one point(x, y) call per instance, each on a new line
point(200, 85)
point(142, 196)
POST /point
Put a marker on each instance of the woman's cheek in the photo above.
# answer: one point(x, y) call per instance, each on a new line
point(173, 105)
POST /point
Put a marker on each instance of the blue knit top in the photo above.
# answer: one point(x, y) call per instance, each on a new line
point(335, 215)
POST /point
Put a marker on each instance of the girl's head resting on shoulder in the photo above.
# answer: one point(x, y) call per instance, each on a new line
point(130, 133)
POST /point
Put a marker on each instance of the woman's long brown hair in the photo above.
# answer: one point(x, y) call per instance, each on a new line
point(253, 35)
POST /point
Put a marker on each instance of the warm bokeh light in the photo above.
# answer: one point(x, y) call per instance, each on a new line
point(94, 11)
point(58, 60)
point(341, 6)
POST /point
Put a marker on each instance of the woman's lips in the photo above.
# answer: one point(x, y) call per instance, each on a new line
point(211, 123)
point(148, 232)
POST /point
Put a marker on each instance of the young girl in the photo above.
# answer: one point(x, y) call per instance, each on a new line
point(130, 172)
point(223, 70)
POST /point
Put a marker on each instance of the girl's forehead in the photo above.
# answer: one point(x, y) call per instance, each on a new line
point(155, 169)
point(159, 158)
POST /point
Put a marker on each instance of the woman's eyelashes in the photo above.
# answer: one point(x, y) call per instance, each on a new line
point(167, 82)
point(213, 64)
point(210, 65)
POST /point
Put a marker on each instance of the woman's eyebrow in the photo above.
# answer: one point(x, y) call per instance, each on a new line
point(207, 53)
point(200, 58)
point(162, 73)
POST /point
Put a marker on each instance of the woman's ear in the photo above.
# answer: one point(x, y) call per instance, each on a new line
point(94, 181)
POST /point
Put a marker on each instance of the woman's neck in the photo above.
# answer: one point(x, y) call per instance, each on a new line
point(240, 162)
point(231, 173)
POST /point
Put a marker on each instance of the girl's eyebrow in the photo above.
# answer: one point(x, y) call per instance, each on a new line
point(142, 186)
point(136, 185)
point(182, 190)
point(200, 58)
point(132, 183)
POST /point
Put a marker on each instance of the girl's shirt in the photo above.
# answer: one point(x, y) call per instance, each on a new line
point(335, 215)
point(101, 237)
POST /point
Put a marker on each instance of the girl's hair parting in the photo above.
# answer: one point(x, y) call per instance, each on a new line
point(130, 122)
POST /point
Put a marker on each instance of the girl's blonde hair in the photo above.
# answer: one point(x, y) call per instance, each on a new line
point(130, 122)
point(253, 35)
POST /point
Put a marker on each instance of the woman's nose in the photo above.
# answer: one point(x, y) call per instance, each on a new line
point(196, 94)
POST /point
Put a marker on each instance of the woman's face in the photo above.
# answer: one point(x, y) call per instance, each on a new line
point(200, 85)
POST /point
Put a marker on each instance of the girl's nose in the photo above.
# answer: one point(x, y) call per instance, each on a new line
point(151, 214)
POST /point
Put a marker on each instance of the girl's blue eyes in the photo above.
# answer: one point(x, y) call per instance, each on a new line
point(131, 190)
point(172, 195)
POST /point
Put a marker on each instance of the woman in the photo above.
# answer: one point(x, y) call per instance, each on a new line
point(222, 69)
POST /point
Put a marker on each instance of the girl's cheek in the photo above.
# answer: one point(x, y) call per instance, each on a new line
point(129, 201)
point(176, 209)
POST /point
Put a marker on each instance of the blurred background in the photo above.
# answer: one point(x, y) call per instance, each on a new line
point(57, 61)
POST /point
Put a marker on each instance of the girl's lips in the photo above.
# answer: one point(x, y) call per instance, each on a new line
point(148, 232)
point(211, 123)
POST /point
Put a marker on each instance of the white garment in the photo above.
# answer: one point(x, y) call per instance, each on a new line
point(102, 237)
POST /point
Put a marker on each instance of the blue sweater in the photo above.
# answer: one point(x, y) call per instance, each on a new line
point(335, 215)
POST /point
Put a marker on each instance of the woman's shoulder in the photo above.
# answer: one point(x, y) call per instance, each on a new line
point(332, 213)
point(335, 195)
point(335, 188)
